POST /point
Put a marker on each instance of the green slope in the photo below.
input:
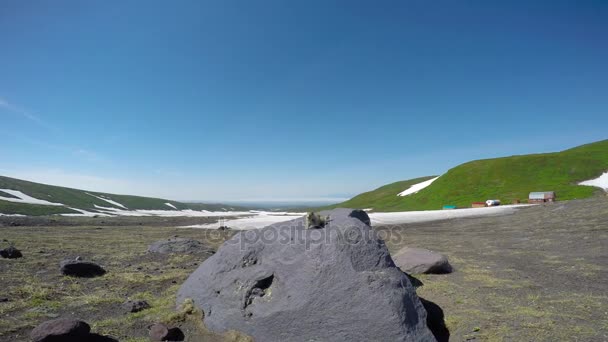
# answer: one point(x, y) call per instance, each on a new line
point(379, 198)
point(83, 200)
point(507, 179)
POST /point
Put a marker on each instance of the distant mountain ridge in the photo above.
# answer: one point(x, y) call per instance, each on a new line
point(506, 178)
point(65, 200)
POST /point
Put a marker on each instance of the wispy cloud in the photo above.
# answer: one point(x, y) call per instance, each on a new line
point(18, 110)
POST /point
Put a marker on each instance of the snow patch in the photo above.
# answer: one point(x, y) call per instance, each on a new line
point(170, 213)
point(170, 205)
point(600, 182)
point(417, 187)
point(262, 219)
point(85, 213)
point(108, 200)
point(13, 215)
point(434, 215)
point(23, 198)
point(259, 219)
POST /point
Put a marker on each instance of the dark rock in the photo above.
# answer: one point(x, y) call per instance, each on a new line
point(64, 330)
point(11, 253)
point(79, 268)
point(135, 305)
point(160, 332)
point(420, 260)
point(3, 299)
point(287, 283)
point(224, 228)
point(178, 245)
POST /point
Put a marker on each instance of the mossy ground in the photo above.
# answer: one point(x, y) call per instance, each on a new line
point(537, 275)
point(37, 291)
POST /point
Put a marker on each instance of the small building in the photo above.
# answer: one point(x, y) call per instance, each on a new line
point(492, 203)
point(478, 204)
point(541, 197)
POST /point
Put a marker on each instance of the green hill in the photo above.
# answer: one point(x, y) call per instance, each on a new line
point(384, 196)
point(86, 200)
point(507, 179)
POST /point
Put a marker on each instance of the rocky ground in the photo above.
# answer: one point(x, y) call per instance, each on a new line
point(536, 275)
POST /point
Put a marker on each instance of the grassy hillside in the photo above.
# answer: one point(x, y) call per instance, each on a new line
point(507, 179)
point(382, 197)
point(82, 200)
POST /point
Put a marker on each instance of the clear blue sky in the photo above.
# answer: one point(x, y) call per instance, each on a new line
point(233, 100)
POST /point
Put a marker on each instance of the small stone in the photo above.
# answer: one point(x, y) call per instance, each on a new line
point(65, 330)
point(131, 306)
point(11, 253)
point(159, 332)
point(78, 258)
point(419, 260)
point(81, 269)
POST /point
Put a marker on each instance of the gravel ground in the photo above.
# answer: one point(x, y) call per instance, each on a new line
point(538, 274)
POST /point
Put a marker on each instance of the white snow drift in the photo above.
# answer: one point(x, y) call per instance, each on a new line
point(434, 215)
point(259, 219)
point(417, 187)
point(168, 213)
point(23, 198)
point(600, 182)
point(170, 205)
point(85, 213)
point(108, 200)
point(263, 219)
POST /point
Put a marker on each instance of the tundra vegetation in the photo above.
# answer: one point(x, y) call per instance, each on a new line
point(537, 275)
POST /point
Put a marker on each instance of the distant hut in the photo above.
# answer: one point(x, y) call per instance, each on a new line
point(541, 197)
point(478, 204)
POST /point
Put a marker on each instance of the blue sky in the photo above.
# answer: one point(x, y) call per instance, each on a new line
point(242, 100)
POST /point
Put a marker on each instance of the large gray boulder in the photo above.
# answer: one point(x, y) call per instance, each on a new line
point(287, 283)
point(419, 260)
